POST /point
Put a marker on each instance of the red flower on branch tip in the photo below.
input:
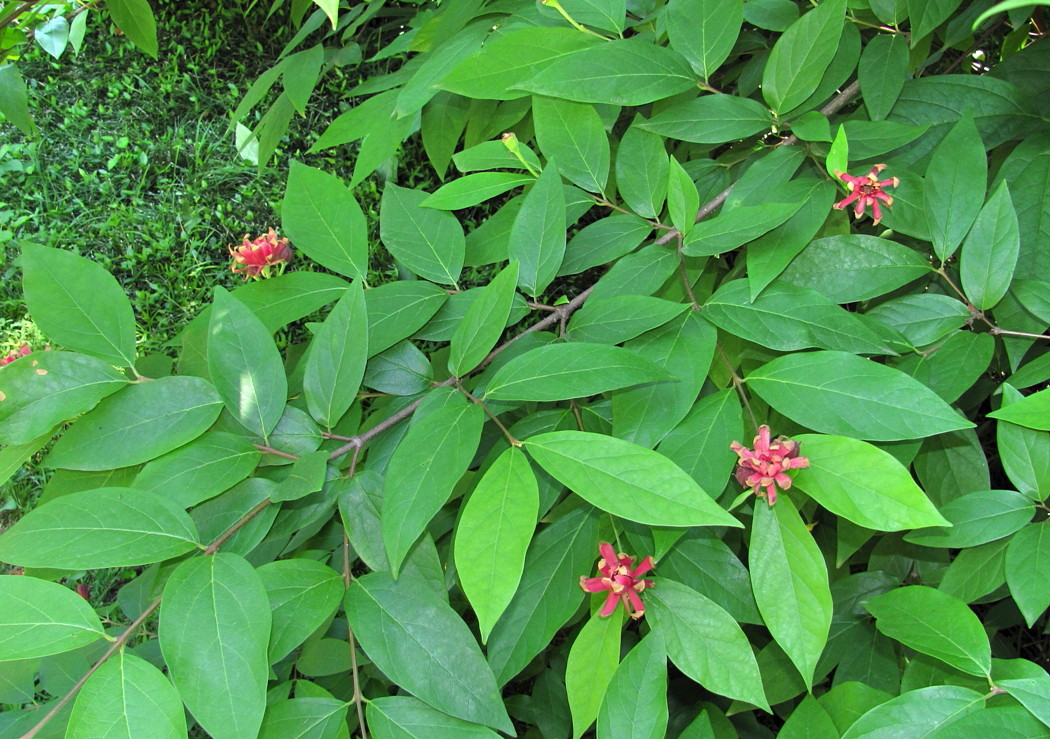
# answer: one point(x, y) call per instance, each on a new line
point(255, 259)
point(623, 583)
point(23, 351)
point(867, 190)
point(763, 467)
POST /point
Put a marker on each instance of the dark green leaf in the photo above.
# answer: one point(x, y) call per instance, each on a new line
point(303, 594)
point(882, 70)
point(705, 642)
point(705, 563)
point(317, 717)
point(1025, 169)
point(801, 56)
point(683, 200)
point(1027, 559)
point(919, 712)
point(324, 221)
point(428, 242)
point(711, 119)
point(400, 370)
point(484, 322)
point(137, 424)
point(245, 365)
point(570, 370)
point(537, 238)
point(926, 15)
point(933, 623)
point(736, 227)
point(641, 171)
point(135, 19)
point(421, 644)
point(977, 518)
point(427, 464)
point(620, 72)
point(475, 188)
point(955, 183)
point(573, 134)
point(619, 319)
point(200, 470)
point(214, 629)
point(405, 717)
point(1033, 693)
point(76, 303)
point(700, 443)
point(14, 100)
point(635, 702)
point(869, 139)
point(788, 318)
point(48, 387)
point(336, 360)
point(976, 572)
point(603, 241)
point(626, 480)
point(1025, 453)
point(839, 393)
point(397, 310)
point(704, 31)
point(790, 581)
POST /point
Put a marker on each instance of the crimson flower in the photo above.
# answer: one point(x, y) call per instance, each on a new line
point(764, 466)
point(22, 351)
point(867, 190)
point(254, 259)
point(623, 583)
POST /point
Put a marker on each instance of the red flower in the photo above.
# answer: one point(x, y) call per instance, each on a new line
point(764, 466)
point(22, 351)
point(620, 580)
point(255, 258)
point(867, 190)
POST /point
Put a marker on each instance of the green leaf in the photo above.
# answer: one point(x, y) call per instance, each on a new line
point(704, 31)
point(307, 475)
point(405, 717)
point(245, 365)
point(370, 116)
point(705, 642)
point(801, 55)
point(700, 443)
point(475, 188)
point(790, 580)
point(1031, 692)
point(515, 57)
point(483, 323)
point(214, 628)
point(401, 370)
point(711, 119)
point(300, 72)
point(496, 155)
point(809, 719)
point(635, 702)
point(866, 267)
point(303, 594)
point(574, 135)
point(619, 72)
point(976, 572)
point(788, 318)
point(839, 393)
point(428, 242)
point(41, 618)
point(641, 172)
point(918, 712)
point(493, 536)
point(336, 360)
point(705, 563)
point(1032, 411)
point(200, 470)
point(537, 237)
point(397, 310)
point(955, 183)
point(989, 253)
point(621, 318)
point(977, 518)
point(108, 527)
point(926, 15)
point(137, 424)
point(869, 139)
point(592, 660)
point(570, 370)
point(1024, 453)
point(548, 595)
point(736, 227)
point(1027, 557)
point(864, 484)
point(933, 623)
point(421, 644)
point(48, 387)
point(324, 221)
point(135, 19)
point(78, 304)
point(626, 480)
point(130, 698)
point(684, 347)
point(319, 717)
point(285, 298)
point(882, 70)
point(922, 318)
point(683, 200)
point(14, 100)
point(951, 367)
point(423, 470)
